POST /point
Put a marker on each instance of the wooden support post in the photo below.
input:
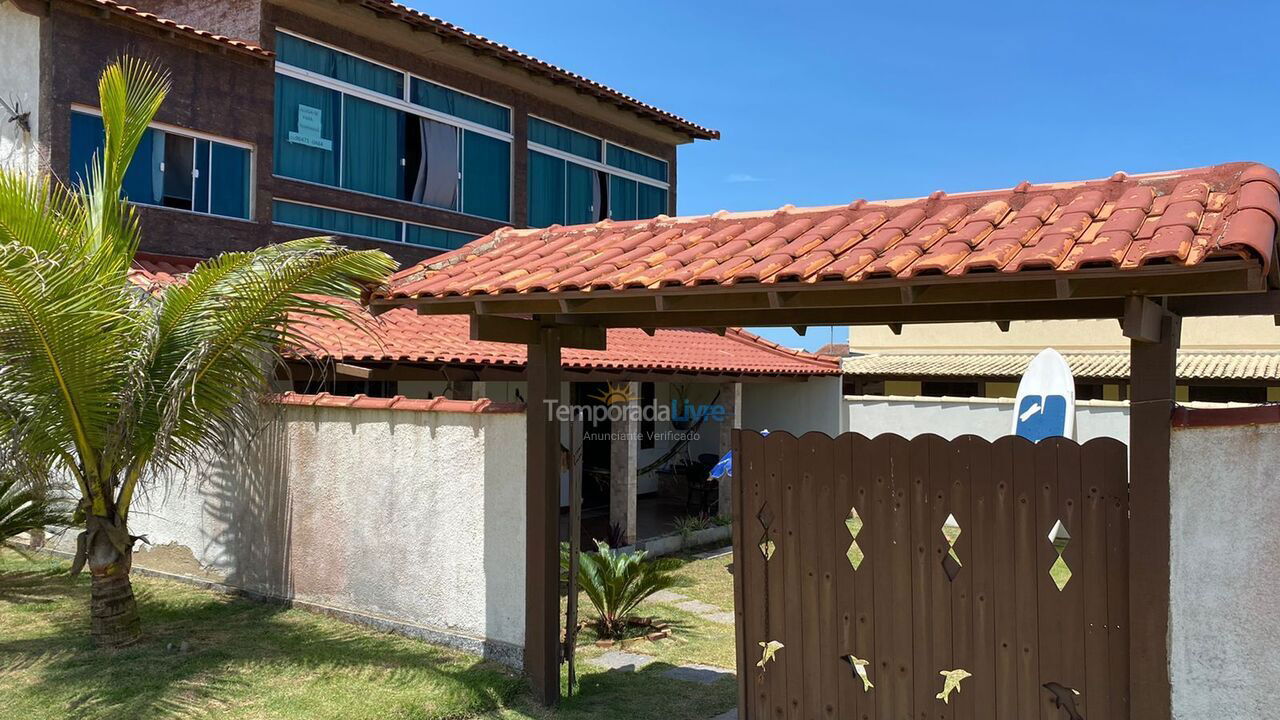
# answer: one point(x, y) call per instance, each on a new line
point(1150, 412)
point(542, 520)
point(624, 453)
point(731, 401)
point(575, 547)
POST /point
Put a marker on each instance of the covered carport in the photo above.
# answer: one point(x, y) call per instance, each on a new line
point(1145, 250)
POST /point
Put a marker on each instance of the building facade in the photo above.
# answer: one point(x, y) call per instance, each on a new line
point(1225, 359)
point(366, 120)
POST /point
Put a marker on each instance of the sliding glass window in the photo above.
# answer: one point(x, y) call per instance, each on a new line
point(171, 169)
point(568, 183)
point(315, 217)
point(343, 122)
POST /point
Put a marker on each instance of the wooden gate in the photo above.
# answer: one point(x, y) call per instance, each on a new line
point(927, 556)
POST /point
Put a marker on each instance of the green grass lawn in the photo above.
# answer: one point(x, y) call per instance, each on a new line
point(255, 660)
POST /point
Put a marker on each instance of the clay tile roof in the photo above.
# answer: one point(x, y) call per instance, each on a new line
point(175, 26)
point(1124, 222)
point(403, 335)
point(556, 74)
point(1192, 365)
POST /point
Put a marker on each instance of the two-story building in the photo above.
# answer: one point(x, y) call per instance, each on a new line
point(364, 119)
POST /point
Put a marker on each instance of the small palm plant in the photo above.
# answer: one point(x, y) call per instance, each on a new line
point(111, 384)
point(617, 582)
point(24, 508)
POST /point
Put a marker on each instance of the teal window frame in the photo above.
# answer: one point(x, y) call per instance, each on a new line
point(635, 185)
point(350, 154)
point(222, 174)
point(307, 54)
point(320, 218)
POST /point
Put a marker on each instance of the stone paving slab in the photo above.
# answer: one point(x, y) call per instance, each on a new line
point(621, 661)
point(666, 596)
point(701, 674)
point(718, 552)
point(731, 715)
point(723, 618)
point(697, 607)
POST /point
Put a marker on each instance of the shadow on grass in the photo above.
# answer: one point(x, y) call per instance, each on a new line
point(646, 694)
point(236, 650)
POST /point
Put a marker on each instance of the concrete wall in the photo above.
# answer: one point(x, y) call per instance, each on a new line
point(416, 518)
point(19, 86)
point(797, 407)
point(1225, 624)
point(989, 418)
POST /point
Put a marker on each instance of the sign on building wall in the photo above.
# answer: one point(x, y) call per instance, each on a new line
point(1046, 404)
point(310, 124)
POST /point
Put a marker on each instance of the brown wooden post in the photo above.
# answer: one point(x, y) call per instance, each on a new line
point(1150, 412)
point(542, 520)
point(575, 547)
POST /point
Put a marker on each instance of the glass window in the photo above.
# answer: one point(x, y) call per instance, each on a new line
point(583, 194)
point(622, 198)
point(338, 65)
point(435, 237)
point(171, 169)
point(546, 190)
point(229, 182)
point(461, 105)
point(373, 148)
point(651, 201)
point(637, 163)
point(431, 163)
point(486, 176)
point(562, 138)
point(336, 221)
point(307, 131)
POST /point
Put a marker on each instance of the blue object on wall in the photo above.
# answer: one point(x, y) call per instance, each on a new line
point(1042, 416)
point(724, 467)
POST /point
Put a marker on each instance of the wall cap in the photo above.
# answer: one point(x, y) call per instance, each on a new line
point(399, 402)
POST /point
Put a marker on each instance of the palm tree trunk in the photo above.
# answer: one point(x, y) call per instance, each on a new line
point(113, 612)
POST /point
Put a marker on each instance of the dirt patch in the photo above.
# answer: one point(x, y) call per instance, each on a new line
point(176, 559)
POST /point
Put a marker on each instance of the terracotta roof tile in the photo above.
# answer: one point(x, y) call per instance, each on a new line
point(403, 335)
point(175, 26)
point(398, 402)
point(1184, 217)
point(1192, 365)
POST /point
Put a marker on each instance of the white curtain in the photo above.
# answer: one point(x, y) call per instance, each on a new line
point(437, 177)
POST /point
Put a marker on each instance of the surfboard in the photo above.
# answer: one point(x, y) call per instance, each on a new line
point(1046, 404)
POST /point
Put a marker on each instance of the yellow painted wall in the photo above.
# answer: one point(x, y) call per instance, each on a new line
point(902, 387)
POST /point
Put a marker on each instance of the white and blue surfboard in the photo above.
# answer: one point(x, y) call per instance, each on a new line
point(1046, 404)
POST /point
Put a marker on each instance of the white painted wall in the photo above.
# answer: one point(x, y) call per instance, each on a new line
point(412, 517)
point(1225, 572)
point(989, 418)
point(796, 407)
point(19, 83)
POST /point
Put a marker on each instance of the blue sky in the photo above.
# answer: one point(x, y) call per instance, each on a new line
point(823, 103)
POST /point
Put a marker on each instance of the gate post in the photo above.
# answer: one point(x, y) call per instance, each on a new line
point(1153, 363)
point(542, 520)
point(739, 562)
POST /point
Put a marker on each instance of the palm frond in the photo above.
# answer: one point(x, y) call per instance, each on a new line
point(130, 93)
point(219, 332)
point(24, 508)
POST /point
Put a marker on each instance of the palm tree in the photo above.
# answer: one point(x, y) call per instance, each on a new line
point(111, 384)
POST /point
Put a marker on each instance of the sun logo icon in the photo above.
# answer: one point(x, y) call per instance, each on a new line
point(615, 394)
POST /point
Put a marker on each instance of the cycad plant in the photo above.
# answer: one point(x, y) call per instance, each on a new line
point(112, 384)
point(23, 508)
point(617, 582)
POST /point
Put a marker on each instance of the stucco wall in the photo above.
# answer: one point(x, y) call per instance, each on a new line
point(797, 407)
point(412, 517)
point(1225, 572)
point(986, 417)
point(19, 85)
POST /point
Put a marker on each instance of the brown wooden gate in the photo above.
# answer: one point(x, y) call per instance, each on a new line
point(911, 608)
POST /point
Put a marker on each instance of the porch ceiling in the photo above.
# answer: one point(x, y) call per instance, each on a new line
point(1062, 250)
